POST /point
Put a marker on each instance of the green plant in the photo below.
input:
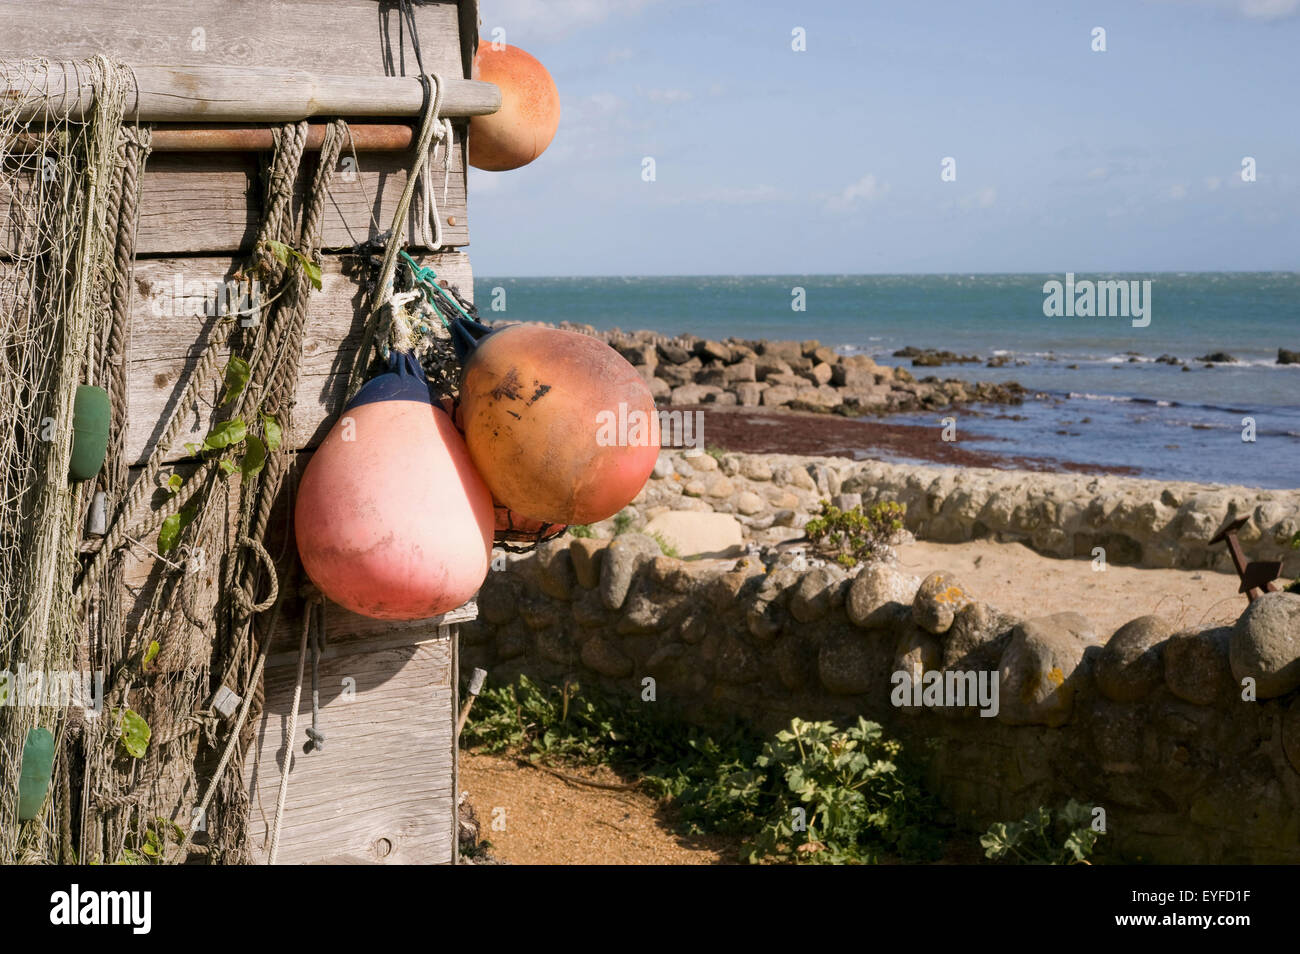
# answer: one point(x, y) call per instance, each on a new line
point(810, 794)
point(581, 530)
point(622, 522)
point(715, 452)
point(1038, 840)
point(153, 849)
point(665, 545)
point(226, 441)
point(841, 798)
point(851, 536)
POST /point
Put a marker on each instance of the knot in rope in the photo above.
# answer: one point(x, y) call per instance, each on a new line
point(243, 595)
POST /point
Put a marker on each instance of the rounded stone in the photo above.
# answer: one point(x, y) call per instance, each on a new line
point(1131, 665)
point(845, 663)
point(876, 594)
point(1196, 665)
point(815, 595)
point(1265, 645)
point(607, 659)
point(1039, 670)
point(937, 601)
point(976, 637)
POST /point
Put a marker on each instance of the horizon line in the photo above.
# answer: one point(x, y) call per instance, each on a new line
point(1271, 271)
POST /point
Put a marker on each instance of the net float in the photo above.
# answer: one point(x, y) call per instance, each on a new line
point(392, 520)
point(561, 427)
point(524, 126)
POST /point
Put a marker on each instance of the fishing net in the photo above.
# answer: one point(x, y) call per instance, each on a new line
point(120, 641)
point(57, 268)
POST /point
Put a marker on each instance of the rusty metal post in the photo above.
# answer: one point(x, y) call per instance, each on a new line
point(1257, 577)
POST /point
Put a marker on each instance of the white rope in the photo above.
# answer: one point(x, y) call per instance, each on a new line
point(430, 127)
point(290, 735)
point(431, 221)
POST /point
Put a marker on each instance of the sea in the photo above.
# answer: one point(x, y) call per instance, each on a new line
point(1102, 399)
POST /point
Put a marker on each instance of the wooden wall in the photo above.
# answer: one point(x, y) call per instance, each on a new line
point(383, 789)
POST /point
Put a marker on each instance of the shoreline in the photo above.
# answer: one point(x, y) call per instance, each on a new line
point(758, 431)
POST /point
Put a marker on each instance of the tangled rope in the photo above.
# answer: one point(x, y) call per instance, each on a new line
point(430, 127)
point(274, 376)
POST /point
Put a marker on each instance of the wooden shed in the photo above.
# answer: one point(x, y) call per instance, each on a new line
point(382, 786)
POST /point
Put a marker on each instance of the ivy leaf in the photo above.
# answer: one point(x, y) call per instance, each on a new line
point(284, 253)
point(237, 374)
point(171, 528)
point(135, 733)
point(226, 433)
point(151, 652)
point(271, 432)
point(175, 481)
point(254, 457)
point(227, 466)
point(194, 450)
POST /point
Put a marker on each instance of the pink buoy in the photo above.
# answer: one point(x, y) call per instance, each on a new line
point(392, 520)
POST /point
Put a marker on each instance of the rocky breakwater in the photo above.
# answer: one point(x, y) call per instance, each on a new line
point(799, 375)
point(1189, 740)
point(1133, 522)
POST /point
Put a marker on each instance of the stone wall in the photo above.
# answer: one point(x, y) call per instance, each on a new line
point(1137, 522)
point(1148, 723)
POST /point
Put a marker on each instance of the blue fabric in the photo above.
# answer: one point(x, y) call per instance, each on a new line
point(404, 381)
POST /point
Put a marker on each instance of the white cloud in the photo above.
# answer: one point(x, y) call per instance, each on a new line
point(1268, 9)
point(1178, 191)
point(1212, 183)
point(1253, 9)
point(866, 189)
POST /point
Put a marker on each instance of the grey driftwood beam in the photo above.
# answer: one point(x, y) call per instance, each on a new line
point(59, 90)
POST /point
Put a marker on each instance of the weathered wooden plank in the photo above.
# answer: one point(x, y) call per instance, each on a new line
point(167, 341)
point(57, 90)
point(211, 202)
point(383, 787)
point(468, 34)
point(354, 37)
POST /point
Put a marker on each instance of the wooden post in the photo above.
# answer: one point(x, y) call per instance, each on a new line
point(233, 94)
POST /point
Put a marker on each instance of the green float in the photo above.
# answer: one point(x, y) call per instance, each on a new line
point(90, 416)
point(34, 778)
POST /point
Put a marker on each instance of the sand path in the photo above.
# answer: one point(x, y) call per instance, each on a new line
point(1019, 581)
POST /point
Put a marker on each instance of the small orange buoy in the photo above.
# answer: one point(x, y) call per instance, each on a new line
point(392, 520)
point(524, 126)
point(561, 427)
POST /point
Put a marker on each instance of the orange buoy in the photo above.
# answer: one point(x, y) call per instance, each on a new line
point(561, 427)
point(524, 126)
point(392, 519)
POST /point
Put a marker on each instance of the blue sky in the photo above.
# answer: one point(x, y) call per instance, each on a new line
point(771, 161)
